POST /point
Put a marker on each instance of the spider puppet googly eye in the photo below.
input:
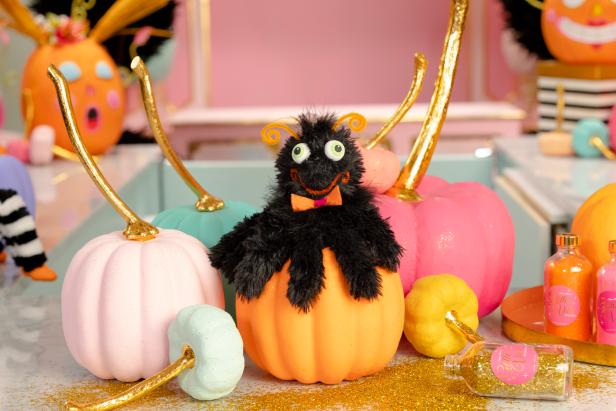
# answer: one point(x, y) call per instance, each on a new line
point(300, 153)
point(334, 150)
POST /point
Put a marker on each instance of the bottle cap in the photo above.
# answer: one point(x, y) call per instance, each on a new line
point(612, 246)
point(567, 240)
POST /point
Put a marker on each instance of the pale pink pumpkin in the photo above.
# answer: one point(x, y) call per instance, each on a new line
point(120, 296)
point(463, 229)
point(382, 168)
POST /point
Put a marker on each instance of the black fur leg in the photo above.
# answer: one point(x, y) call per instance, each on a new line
point(227, 254)
point(306, 270)
point(380, 240)
point(359, 271)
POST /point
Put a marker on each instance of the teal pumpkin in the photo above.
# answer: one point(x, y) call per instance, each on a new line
point(207, 226)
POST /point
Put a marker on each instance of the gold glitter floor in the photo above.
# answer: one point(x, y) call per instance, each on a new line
point(412, 384)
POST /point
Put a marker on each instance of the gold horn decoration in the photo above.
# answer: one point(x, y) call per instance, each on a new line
point(418, 160)
point(356, 121)
point(205, 200)
point(186, 361)
point(271, 133)
point(123, 13)
point(23, 20)
point(419, 76)
point(136, 229)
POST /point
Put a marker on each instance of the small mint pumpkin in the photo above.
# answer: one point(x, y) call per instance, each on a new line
point(218, 349)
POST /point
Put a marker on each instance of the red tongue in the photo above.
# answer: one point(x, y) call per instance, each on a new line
point(92, 122)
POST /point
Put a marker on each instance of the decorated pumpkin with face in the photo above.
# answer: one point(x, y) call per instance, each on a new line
point(580, 31)
point(95, 85)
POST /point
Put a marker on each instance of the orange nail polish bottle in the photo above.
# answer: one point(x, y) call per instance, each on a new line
point(567, 290)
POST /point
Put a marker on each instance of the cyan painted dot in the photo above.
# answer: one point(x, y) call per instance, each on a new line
point(103, 70)
point(70, 70)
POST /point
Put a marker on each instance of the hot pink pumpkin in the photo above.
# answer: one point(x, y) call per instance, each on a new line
point(461, 228)
point(120, 296)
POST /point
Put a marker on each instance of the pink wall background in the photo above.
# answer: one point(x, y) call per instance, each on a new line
point(321, 52)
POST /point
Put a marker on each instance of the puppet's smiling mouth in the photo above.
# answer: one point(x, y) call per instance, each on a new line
point(321, 192)
point(594, 33)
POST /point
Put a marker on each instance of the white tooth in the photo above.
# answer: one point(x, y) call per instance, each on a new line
point(587, 34)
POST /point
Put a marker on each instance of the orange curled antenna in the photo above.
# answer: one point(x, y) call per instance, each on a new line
point(23, 21)
point(271, 133)
point(421, 65)
point(357, 122)
point(123, 13)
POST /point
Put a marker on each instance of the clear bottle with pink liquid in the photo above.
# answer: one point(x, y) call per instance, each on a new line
point(605, 300)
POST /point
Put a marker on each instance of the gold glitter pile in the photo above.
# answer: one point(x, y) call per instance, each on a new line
point(591, 377)
point(419, 384)
point(416, 384)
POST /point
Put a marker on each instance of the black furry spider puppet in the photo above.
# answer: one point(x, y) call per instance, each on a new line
point(317, 202)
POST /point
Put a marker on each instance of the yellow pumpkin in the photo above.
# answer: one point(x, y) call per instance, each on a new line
point(580, 31)
point(429, 301)
point(96, 89)
point(340, 338)
point(595, 223)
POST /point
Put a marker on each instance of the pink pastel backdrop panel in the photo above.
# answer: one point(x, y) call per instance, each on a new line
point(322, 52)
point(463, 229)
point(274, 52)
point(120, 296)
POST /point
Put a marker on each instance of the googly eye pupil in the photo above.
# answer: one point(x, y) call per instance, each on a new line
point(338, 148)
point(297, 150)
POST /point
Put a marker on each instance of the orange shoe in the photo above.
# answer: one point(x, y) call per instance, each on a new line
point(3, 257)
point(43, 273)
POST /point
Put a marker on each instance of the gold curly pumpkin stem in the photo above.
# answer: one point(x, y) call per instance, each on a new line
point(419, 76)
point(186, 361)
point(136, 229)
point(418, 160)
point(356, 121)
point(205, 200)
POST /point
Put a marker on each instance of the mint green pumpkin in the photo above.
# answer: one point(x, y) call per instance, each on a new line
point(207, 226)
point(217, 346)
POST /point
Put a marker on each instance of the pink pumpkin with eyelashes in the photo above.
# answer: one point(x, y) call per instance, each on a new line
point(95, 85)
point(580, 31)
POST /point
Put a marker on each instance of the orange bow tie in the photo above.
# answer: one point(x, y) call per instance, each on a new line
point(299, 203)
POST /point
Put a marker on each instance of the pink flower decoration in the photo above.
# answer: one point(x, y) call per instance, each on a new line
point(142, 36)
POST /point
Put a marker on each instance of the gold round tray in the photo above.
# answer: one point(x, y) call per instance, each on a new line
point(523, 321)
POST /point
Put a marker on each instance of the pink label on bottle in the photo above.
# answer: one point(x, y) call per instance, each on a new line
point(606, 311)
point(514, 363)
point(562, 305)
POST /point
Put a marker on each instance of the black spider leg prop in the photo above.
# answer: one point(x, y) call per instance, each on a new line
point(380, 239)
point(306, 270)
point(353, 256)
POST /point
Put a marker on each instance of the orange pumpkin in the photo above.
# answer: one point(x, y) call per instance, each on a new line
point(340, 338)
point(580, 31)
point(95, 85)
point(595, 223)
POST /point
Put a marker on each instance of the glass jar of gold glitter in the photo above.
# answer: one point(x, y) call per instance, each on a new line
point(515, 370)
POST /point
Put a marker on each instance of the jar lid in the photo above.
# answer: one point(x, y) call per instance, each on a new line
point(567, 240)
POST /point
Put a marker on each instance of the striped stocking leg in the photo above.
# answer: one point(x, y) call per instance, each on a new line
point(19, 233)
